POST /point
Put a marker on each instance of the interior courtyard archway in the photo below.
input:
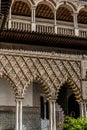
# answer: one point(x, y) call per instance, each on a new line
point(35, 108)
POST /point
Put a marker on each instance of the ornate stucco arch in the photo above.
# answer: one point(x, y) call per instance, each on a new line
point(42, 83)
point(75, 89)
point(21, 71)
point(24, 67)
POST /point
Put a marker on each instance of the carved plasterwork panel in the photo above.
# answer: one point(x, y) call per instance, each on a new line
point(22, 69)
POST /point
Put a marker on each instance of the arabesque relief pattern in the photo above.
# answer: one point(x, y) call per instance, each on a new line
point(21, 70)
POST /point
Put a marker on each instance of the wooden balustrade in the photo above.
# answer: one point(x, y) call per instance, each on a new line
point(83, 33)
point(65, 31)
point(44, 28)
point(21, 25)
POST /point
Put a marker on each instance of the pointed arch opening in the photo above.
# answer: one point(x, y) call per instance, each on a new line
point(68, 101)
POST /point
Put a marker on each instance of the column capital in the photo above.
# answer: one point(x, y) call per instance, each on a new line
point(53, 99)
point(19, 98)
point(45, 100)
point(74, 13)
point(84, 101)
point(33, 7)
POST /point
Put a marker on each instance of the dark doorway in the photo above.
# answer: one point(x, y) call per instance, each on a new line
point(62, 99)
point(73, 107)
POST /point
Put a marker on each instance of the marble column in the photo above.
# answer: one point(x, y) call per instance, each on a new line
point(75, 19)
point(85, 109)
point(52, 115)
point(33, 22)
point(20, 111)
point(55, 24)
point(82, 109)
point(18, 114)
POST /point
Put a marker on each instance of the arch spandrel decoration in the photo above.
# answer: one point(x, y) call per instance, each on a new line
point(50, 72)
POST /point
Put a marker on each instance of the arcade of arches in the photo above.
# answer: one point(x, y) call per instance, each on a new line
point(37, 90)
point(34, 16)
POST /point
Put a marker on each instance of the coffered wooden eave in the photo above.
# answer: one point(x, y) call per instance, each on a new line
point(51, 40)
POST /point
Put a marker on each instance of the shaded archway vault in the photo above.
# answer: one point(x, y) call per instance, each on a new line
point(23, 67)
point(75, 90)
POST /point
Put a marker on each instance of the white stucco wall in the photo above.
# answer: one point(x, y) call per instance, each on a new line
point(6, 93)
point(37, 92)
point(32, 96)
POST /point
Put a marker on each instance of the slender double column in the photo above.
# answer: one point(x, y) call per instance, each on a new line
point(33, 25)
point(18, 114)
point(52, 124)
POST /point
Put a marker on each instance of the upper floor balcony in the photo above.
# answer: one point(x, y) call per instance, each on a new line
point(65, 18)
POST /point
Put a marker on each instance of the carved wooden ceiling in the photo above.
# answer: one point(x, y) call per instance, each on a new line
point(21, 8)
point(44, 11)
point(82, 17)
point(64, 14)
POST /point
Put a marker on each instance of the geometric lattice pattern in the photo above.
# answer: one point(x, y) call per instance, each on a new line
point(21, 70)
